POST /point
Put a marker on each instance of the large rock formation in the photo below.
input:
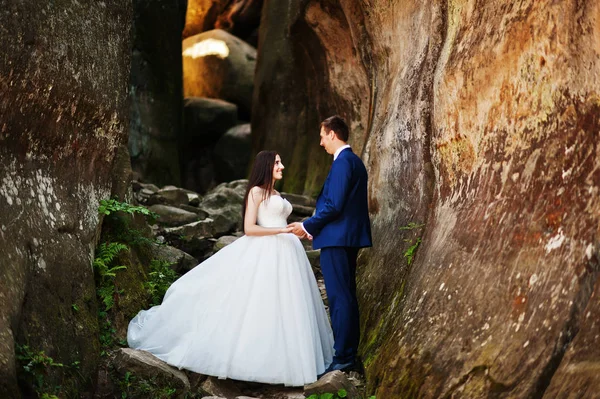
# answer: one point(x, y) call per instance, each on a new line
point(480, 121)
point(157, 90)
point(64, 75)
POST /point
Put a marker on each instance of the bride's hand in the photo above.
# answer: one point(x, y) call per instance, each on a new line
point(285, 230)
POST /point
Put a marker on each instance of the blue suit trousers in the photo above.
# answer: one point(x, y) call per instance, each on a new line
point(338, 265)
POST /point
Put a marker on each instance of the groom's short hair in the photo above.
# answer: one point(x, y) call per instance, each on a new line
point(338, 125)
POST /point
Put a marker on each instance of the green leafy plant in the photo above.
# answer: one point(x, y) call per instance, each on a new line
point(106, 254)
point(112, 205)
point(342, 393)
point(130, 386)
point(161, 277)
point(412, 226)
point(126, 384)
point(107, 331)
point(106, 272)
point(118, 219)
point(410, 252)
point(37, 365)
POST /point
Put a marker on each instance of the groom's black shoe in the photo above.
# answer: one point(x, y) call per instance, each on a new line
point(352, 366)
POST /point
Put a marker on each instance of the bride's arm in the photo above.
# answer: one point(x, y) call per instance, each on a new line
point(250, 227)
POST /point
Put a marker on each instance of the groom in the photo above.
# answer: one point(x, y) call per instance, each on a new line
point(340, 227)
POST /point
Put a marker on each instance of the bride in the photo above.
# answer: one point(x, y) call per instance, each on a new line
point(252, 311)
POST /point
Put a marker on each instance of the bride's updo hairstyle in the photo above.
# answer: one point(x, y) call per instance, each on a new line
point(261, 176)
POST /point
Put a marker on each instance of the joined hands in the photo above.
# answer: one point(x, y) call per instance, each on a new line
point(298, 231)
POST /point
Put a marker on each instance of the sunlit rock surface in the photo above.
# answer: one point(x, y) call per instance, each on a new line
point(64, 75)
point(219, 65)
point(479, 126)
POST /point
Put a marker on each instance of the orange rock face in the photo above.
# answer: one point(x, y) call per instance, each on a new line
point(238, 17)
point(480, 121)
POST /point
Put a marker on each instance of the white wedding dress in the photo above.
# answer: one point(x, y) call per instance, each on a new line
point(251, 312)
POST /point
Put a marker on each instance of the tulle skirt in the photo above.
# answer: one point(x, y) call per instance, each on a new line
point(251, 312)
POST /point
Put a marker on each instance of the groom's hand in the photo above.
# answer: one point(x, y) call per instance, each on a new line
point(298, 230)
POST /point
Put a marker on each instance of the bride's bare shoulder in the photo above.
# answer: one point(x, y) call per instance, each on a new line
point(257, 193)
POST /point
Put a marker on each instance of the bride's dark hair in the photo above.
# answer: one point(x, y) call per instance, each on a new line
point(261, 176)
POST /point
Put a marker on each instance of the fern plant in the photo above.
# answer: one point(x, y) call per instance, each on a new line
point(161, 277)
point(107, 252)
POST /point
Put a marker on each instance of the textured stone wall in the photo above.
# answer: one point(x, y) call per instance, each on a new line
point(64, 73)
point(157, 90)
point(479, 125)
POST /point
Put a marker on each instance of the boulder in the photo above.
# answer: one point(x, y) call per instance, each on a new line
point(156, 112)
point(137, 186)
point(219, 65)
point(180, 261)
point(143, 196)
point(202, 228)
point(333, 382)
point(231, 193)
point(208, 119)
point(232, 154)
point(172, 216)
point(224, 205)
point(193, 198)
point(193, 238)
point(174, 196)
point(194, 209)
point(221, 388)
point(224, 241)
point(299, 200)
point(143, 365)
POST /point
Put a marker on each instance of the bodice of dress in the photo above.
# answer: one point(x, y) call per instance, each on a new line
point(273, 212)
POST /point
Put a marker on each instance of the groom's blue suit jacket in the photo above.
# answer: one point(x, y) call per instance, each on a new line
point(342, 215)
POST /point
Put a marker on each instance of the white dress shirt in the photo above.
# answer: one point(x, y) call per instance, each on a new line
point(342, 148)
